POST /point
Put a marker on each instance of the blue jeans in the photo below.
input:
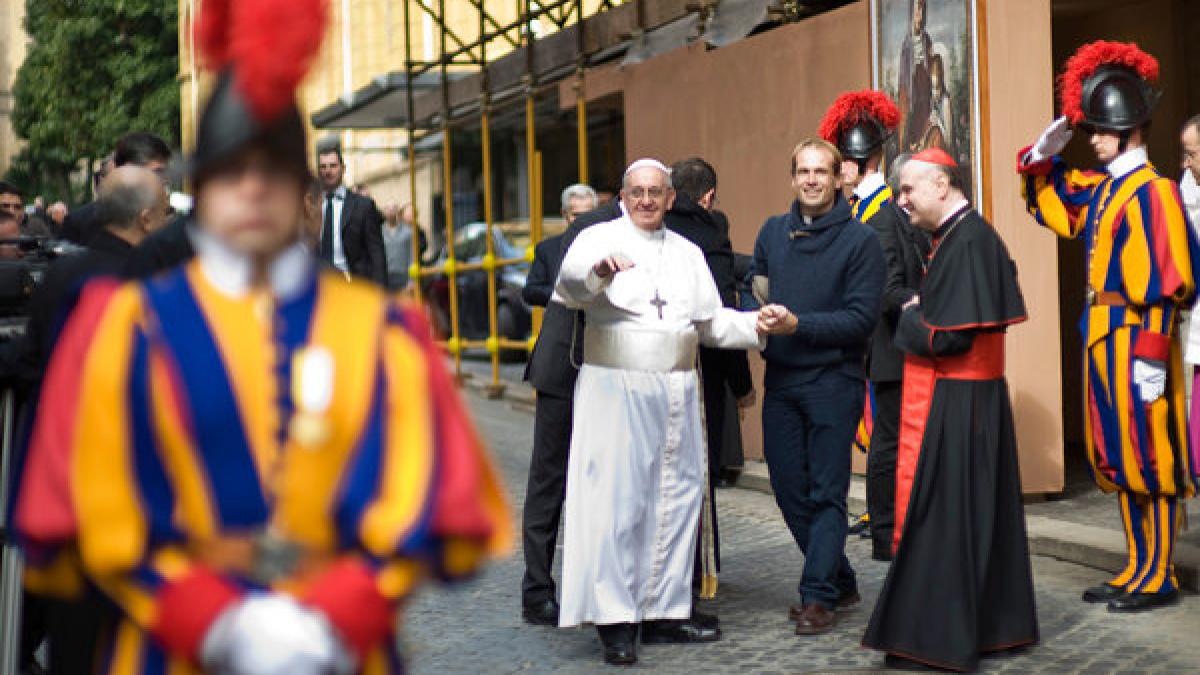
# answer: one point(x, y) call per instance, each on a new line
point(807, 434)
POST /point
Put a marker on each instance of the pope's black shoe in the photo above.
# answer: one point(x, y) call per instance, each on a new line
point(620, 643)
point(1142, 602)
point(1103, 593)
point(544, 613)
point(677, 631)
point(620, 654)
point(704, 619)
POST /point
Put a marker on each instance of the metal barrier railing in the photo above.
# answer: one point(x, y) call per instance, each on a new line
point(10, 560)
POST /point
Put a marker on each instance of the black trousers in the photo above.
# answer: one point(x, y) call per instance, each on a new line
point(544, 495)
point(881, 463)
point(73, 628)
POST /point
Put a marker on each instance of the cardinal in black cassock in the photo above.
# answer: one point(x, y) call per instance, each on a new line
point(960, 584)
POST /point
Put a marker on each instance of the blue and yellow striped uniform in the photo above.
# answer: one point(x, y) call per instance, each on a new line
point(863, 210)
point(179, 433)
point(1142, 257)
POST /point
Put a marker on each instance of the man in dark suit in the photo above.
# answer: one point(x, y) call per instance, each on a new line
point(552, 371)
point(539, 284)
point(691, 216)
point(138, 148)
point(905, 248)
point(351, 225)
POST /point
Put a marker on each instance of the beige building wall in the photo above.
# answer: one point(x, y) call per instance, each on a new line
point(13, 42)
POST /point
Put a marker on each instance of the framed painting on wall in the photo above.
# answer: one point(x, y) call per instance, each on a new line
point(926, 56)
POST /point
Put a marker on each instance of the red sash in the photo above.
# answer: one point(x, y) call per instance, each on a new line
point(984, 361)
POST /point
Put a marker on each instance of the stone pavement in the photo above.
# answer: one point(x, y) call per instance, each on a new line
point(476, 627)
point(1079, 526)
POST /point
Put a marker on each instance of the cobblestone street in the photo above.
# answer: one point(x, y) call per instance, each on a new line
point(476, 628)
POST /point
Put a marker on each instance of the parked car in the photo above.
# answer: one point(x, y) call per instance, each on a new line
point(514, 318)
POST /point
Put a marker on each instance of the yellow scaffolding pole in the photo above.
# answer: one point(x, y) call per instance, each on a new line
point(414, 269)
point(530, 168)
point(454, 344)
point(495, 389)
point(581, 123)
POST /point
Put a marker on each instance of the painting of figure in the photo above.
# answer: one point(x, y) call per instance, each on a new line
point(924, 58)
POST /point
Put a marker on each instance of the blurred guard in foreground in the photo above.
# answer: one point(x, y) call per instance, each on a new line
point(255, 460)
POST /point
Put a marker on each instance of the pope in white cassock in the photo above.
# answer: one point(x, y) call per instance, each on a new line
point(636, 477)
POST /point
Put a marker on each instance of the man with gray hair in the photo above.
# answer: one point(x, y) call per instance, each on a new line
point(577, 200)
point(132, 203)
point(635, 477)
point(551, 427)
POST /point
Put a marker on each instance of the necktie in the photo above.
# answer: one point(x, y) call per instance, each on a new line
point(327, 231)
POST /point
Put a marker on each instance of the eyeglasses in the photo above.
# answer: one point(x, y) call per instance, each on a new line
point(639, 193)
point(12, 206)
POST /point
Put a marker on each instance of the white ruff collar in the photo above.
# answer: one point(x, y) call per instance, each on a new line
point(231, 272)
point(869, 184)
point(1127, 162)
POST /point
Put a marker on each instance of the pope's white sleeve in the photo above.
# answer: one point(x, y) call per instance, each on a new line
point(731, 329)
point(578, 284)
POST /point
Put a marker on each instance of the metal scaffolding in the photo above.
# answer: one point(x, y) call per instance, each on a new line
point(456, 51)
point(495, 55)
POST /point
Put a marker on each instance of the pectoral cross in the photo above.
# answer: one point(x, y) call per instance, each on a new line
point(658, 303)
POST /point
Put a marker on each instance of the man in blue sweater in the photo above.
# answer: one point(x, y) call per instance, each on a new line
point(828, 270)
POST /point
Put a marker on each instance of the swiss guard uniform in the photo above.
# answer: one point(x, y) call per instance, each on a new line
point(1141, 273)
point(859, 123)
point(216, 454)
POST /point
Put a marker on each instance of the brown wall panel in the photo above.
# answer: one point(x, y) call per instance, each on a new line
point(743, 108)
point(1020, 101)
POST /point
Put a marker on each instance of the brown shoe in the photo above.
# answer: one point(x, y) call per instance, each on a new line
point(816, 620)
point(844, 602)
point(795, 612)
point(848, 601)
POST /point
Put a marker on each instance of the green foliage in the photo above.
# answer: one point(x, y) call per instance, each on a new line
point(95, 70)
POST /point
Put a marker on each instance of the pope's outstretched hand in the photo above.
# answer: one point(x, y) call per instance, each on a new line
point(612, 264)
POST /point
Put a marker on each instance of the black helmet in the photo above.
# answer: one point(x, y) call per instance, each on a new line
point(1116, 99)
point(862, 139)
point(228, 127)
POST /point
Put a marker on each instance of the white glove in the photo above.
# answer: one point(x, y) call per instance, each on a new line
point(1150, 378)
point(1052, 141)
point(272, 634)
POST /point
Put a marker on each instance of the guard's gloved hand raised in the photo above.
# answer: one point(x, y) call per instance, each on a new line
point(273, 634)
point(1051, 142)
point(1150, 378)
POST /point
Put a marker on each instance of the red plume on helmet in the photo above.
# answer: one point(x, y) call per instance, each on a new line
point(269, 45)
point(1087, 59)
point(856, 106)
